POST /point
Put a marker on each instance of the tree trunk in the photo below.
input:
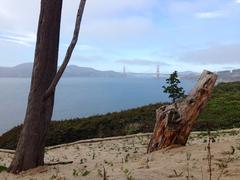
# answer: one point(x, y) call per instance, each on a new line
point(30, 148)
point(175, 122)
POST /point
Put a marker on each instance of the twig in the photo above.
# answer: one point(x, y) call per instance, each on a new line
point(188, 169)
point(176, 174)
point(220, 175)
point(202, 172)
point(59, 163)
point(209, 156)
point(104, 174)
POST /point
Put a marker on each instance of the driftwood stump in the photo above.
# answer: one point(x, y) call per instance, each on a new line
point(175, 122)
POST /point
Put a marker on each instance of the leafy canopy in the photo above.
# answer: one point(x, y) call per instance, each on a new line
point(175, 92)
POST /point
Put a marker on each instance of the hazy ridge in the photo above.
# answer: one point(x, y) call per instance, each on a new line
point(25, 70)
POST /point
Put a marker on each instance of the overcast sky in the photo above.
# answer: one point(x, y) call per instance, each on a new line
point(140, 34)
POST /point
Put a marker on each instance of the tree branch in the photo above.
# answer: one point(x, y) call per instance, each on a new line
point(69, 52)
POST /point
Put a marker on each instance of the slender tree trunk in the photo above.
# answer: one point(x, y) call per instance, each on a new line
point(175, 122)
point(30, 148)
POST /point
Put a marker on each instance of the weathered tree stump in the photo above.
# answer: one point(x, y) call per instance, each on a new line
point(175, 122)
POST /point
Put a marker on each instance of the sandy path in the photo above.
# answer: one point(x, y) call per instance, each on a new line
point(127, 159)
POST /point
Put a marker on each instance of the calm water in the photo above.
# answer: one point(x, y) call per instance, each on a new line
point(79, 97)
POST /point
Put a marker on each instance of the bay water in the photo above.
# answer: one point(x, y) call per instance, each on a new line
point(82, 97)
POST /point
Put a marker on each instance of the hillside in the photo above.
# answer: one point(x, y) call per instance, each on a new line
point(25, 70)
point(222, 112)
point(229, 76)
point(223, 109)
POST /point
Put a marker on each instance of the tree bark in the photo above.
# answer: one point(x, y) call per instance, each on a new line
point(30, 148)
point(175, 122)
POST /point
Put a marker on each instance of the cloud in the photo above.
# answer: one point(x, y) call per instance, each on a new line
point(209, 15)
point(225, 54)
point(19, 16)
point(84, 47)
point(203, 9)
point(88, 59)
point(80, 48)
point(127, 28)
point(118, 29)
point(142, 62)
point(105, 20)
point(22, 39)
point(181, 7)
point(110, 8)
point(228, 68)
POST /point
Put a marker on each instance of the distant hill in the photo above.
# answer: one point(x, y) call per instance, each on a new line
point(21, 70)
point(183, 75)
point(190, 75)
point(229, 76)
point(222, 111)
point(223, 76)
point(25, 70)
point(76, 71)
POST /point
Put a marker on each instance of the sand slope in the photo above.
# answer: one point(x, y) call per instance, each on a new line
point(125, 158)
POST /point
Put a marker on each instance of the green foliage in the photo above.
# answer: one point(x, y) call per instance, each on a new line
point(75, 172)
point(85, 173)
point(3, 168)
point(172, 89)
point(99, 171)
point(128, 174)
point(223, 110)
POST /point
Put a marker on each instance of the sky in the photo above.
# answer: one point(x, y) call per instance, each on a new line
point(182, 35)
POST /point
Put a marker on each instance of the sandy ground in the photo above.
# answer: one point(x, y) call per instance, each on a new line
point(126, 159)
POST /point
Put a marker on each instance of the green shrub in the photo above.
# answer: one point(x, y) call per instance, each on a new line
point(223, 109)
point(3, 168)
